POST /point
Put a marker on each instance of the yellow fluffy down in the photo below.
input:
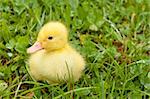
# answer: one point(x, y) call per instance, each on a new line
point(52, 58)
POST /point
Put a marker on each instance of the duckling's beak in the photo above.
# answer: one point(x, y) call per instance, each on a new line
point(35, 47)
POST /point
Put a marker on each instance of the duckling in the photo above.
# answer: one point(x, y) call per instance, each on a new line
point(52, 59)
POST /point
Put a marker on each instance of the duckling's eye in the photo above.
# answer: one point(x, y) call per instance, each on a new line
point(50, 37)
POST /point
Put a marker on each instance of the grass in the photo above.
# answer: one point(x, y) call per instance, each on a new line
point(112, 35)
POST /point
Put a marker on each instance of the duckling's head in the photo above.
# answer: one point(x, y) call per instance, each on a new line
point(52, 36)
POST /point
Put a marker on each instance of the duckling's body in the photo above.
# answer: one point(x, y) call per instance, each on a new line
point(56, 65)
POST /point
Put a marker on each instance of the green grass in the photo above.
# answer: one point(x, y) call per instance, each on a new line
point(112, 35)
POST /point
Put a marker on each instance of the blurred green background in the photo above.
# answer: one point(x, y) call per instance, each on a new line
point(112, 35)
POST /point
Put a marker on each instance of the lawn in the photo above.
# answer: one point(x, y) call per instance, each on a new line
point(112, 35)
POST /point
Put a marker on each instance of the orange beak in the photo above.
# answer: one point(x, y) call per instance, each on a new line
point(35, 47)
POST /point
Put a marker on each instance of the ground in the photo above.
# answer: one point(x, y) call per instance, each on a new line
point(112, 35)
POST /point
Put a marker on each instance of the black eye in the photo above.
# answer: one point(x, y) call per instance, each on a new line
point(50, 37)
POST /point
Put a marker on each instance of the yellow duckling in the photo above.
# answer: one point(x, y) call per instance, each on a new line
point(52, 58)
